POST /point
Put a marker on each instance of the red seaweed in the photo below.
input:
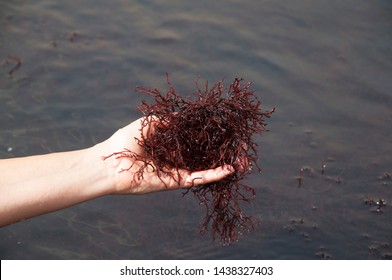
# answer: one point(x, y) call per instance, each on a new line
point(12, 58)
point(210, 129)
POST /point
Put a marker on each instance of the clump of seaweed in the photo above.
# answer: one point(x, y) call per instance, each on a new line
point(210, 129)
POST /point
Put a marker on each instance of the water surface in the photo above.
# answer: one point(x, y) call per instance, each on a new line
point(324, 65)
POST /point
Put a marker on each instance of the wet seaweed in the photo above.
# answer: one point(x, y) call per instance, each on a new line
point(212, 128)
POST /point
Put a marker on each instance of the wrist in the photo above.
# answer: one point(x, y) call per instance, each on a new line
point(102, 170)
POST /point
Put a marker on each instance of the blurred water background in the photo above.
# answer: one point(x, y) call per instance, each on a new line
point(325, 65)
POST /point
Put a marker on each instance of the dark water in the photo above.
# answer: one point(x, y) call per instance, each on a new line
point(325, 65)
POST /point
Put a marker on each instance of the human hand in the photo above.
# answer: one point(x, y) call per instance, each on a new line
point(119, 156)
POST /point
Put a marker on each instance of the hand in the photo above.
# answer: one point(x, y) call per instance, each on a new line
point(36, 185)
point(125, 168)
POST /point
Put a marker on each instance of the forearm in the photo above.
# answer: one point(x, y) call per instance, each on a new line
point(40, 184)
point(36, 185)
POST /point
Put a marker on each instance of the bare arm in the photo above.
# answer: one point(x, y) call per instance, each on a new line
point(36, 185)
point(40, 184)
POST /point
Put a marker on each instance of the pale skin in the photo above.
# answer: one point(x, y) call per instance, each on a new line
point(36, 185)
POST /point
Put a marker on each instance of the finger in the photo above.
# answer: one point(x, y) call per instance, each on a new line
point(148, 125)
point(207, 176)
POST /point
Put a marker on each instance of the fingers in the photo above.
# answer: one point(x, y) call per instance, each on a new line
point(207, 176)
point(148, 125)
